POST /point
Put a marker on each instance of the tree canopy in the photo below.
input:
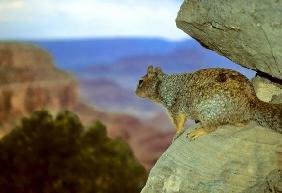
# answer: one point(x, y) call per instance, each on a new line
point(47, 154)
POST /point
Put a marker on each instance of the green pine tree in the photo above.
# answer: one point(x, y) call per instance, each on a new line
point(47, 155)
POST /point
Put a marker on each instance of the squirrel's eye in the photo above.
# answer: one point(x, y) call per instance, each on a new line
point(140, 82)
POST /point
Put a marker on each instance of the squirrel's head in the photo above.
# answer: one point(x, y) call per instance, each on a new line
point(148, 85)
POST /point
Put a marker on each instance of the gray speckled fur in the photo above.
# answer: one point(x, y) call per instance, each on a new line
point(213, 96)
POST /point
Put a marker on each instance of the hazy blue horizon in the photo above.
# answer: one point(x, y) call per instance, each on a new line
point(63, 39)
point(175, 56)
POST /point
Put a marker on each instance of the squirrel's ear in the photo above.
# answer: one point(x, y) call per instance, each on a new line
point(158, 70)
point(159, 73)
point(150, 69)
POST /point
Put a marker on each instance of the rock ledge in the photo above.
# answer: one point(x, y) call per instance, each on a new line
point(232, 159)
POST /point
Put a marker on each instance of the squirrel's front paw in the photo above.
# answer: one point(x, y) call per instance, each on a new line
point(196, 133)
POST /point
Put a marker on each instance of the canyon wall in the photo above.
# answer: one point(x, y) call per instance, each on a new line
point(29, 81)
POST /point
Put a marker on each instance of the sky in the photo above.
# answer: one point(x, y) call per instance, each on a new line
point(55, 19)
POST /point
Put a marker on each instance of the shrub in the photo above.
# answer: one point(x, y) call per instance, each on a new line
point(46, 154)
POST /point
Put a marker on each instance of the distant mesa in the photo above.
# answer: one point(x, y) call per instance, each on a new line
point(22, 56)
point(29, 81)
point(26, 63)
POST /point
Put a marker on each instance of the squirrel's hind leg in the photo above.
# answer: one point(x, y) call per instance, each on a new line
point(242, 123)
point(202, 130)
point(207, 128)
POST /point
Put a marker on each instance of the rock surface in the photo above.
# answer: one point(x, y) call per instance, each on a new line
point(247, 32)
point(272, 184)
point(231, 159)
point(267, 90)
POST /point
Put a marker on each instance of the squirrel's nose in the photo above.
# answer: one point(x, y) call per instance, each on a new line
point(138, 93)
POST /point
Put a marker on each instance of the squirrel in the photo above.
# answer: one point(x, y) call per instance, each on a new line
point(214, 97)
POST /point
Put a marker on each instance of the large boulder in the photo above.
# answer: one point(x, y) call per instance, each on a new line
point(231, 159)
point(247, 32)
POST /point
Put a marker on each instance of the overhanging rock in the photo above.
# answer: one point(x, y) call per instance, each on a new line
point(247, 32)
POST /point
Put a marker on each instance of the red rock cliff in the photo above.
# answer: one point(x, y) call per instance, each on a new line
point(29, 81)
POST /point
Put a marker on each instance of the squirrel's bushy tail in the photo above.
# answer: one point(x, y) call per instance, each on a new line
point(267, 114)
